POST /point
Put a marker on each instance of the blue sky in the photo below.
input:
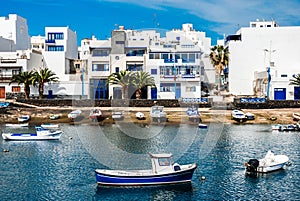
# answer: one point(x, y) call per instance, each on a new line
point(100, 17)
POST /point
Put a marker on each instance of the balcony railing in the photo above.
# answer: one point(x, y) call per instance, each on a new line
point(170, 60)
point(50, 41)
point(5, 78)
point(188, 76)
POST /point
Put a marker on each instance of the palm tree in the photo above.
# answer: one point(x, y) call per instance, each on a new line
point(219, 58)
point(142, 79)
point(43, 76)
point(25, 78)
point(123, 78)
point(295, 80)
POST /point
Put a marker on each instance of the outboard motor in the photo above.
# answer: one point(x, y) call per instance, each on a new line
point(252, 165)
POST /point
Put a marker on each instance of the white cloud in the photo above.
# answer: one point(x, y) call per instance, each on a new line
point(229, 14)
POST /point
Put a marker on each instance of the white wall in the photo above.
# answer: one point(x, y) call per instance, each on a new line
point(249, 55)
point(15, 28)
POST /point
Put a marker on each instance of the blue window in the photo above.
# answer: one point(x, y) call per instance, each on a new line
point(135, 67)
point(166, 87)
point(135, 53)
point(55, 36)
point(153, 71)
point(59, 48)
point(100, 67)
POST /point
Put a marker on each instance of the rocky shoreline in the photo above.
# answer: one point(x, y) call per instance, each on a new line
point(174, 115)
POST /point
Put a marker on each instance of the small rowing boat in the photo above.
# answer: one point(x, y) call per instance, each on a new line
point(41, 134)
point(23, 118)
point(163, 171)
point(17, 125)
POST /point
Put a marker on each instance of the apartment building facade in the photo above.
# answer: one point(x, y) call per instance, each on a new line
point(268, 57)
point(176, 62)
point(15, 53)
point(60, 52)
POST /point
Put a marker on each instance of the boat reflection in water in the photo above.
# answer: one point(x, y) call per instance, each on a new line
point(182, 191)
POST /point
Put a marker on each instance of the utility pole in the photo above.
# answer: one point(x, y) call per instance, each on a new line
point(270, 51)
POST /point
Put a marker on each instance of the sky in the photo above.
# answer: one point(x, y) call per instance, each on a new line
point(100, 17)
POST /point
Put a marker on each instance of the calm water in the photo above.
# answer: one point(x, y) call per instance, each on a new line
point(64, 170)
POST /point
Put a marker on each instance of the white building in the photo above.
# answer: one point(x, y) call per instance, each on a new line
point(60, 52)
point(15, 29)
point(262, 46)
point(176, 62)
point(15, 53)
point(11, 63)
point(181, 63)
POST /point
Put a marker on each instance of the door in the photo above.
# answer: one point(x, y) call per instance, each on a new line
point(280, 94)
point(2, 92)
point(296, 93)
point(99, 89)
point(154, 93)
point(117, 93)
point(177, 90)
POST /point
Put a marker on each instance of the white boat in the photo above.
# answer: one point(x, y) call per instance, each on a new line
point(249, 116)
point(296, 116)
point(50, 126)
point(54, 116)
point(41, 134)
point(140, 115)
point(164, 171)
point(17, 125)
point(288, 127)
point(157, 113)
point(276, 127)
point(202, 126)
point(238, 115)
point(74, 114)
point(267, 164)
point(193, 113)
point(23, 118)
point(95, 114)
point(117, 115)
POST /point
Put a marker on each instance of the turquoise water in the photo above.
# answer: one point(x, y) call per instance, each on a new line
point(64, 170)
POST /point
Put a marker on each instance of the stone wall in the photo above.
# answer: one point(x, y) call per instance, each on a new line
point(270, 104)
point(107, 103)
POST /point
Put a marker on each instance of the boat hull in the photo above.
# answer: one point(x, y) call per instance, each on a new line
point(50, 126)
point(23, 118)
point(141, 180)
point(30, 136)
point(94, 117)
point(262, 169)
point(54, 117)
point(202, 126)
point(17, 125)
point(140, 115)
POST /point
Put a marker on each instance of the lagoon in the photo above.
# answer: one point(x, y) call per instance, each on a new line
point(64, 170)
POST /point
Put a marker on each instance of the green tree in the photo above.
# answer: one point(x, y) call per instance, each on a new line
point(25, 78)
point(124, 79)
point(142, 79)
point(295, 80)
point(219, 57)
point(41, 77)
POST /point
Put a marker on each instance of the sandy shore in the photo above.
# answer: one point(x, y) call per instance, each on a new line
point(174, 115)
